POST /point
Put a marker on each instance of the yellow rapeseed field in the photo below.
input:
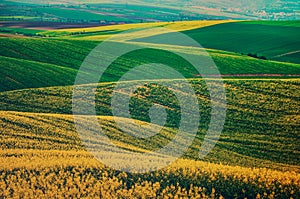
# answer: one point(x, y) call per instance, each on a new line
point(41, 157)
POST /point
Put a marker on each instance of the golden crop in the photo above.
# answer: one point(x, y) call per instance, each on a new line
point(74, 174)
point(41, 156)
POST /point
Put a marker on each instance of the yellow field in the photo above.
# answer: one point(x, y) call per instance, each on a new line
point(176, 26)
point(41, 156)
point(60, 174)
point(179, 26)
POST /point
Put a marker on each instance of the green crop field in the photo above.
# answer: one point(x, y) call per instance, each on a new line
point(245, 105)
point(35, 74)
point(275, 40)
point(54, 55)
point(257, 155)
point(291, 23)
point(21, 31)
point(114, 11)
point(55, 51)
point(76, 14)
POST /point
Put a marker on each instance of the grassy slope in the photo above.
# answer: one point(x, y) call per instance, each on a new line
point(54, 53)
point(19, 74)
point(270, 39)
point(291, 23)
point(272, 140)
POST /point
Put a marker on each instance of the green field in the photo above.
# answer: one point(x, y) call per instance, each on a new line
point(54, 55)
point(113, 11)
point(275, 40)
point(291, 23)
point(21, 31)
point(271, 135)
point(257, 155)
point(188, 10)
point(35, 74)
point(52, 51)
point(76, 14)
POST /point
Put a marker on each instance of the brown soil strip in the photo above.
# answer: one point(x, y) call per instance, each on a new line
point(11, 35)
point(251, 75)
point(43, 25)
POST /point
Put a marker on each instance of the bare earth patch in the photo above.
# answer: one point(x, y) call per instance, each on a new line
point(44, 25)
point(251, 75)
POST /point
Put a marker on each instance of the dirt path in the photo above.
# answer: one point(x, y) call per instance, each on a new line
point(289, 53)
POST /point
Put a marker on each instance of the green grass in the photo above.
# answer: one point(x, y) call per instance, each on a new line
point(76, 14)
point(270, 39)
point(69, 54)
point(53, 51)
point(260, 129)
point(19, 74)
point(291, 23)
point(137, 13)
point(22, 31)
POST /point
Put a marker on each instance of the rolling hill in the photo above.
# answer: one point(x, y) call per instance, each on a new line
point(54, 62)
point(46, 149)
point(41, 171)
point(275, 40)
point(272, 138)
point(169, 10)
point(256, 156)
point(19, 74)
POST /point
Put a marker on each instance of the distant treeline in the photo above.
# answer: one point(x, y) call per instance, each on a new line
point(255, 55)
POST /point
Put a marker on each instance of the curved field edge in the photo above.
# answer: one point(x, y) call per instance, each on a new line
point(57, 62)
point(245, 140)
